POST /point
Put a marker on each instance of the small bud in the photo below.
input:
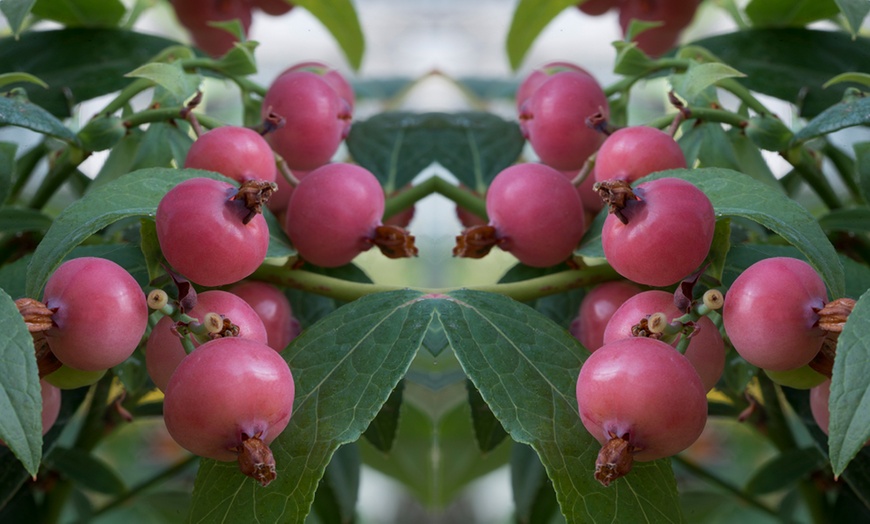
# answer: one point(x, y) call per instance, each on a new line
point(713, 299)
point(157, 299)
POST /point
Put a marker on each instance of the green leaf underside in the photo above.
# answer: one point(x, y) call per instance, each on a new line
point(20, 398)
point(30, 116)
point(848, 113)
point(345, 367)
point(850, 389)
point(86, 63)
point(135, 194)
point(526, 369)
point(473, 146)
point(529, 19)
point(340, 18)
point(772, 67)
point(734, 194)
point(855, 12)
point(15, 12)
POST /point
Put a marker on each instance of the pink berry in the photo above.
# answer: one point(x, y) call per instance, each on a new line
point(100, 313)
point(537, 214)
point(235, 152)
point(195, 15)
point(634, 152)
point(770, 313)
point(597, 307)
point(538, 76)
point(202, 234)
point(333, 213)
point(667, 234)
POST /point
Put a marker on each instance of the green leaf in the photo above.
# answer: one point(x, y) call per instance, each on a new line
point(382, 431)
point(7, 168)
point(792, 63)
point(789, 12)
point(30, 116)
point(19, 219)
point(86, 470)
point(78, 64)
point(719, 248)
point(852, 220)
point(172, 77)
point(12, 78)
point(699, 77)
point(15, 12)
point(20, 397)
point(533, 493)
point(526, 369)
point(336, 498)
point(849, 113)
point(488, 431)
point(855, 12)
point(858, 78)
point(529, 19)
point(849, 403)
point(473, 146)
point(784, 470)
point(734, 194)
point(87, 13)
point(160, 145)
point(345, 368)
point(133, 195)
point(340, 18)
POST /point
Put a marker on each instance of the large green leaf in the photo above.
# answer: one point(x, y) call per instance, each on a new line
point(78, 64)
point(340, 18)
point(792, 63)
point(855, 12)
point(734, 194)
point(473, 146)
point(526, 369)
point(849, 427)
point(20, 397)
point(529, 19)
point(133, 195)
point(345, 367)
point(25, 114)
point(87, 13)
point(15, 12)
point(848, 113)
point(780, 13)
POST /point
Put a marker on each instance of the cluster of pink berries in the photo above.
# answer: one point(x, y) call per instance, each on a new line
point(197, 15)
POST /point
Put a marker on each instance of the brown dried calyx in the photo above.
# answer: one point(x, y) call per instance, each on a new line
point(615, 194)
point(394, 242)
point(641, 329)
point(254, 194)
point(833, 316)
point(614, 460)
point(475, 242)
point(36, 315)
point(256, 459)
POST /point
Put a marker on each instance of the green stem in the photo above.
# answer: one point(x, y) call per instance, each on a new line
point(845, 167)
point(806, 168)
point(125, 95)
point(136, 490)
point(166, 114)
point(702, 113)
point(714, 479)
point(523, 291)
point(24, 168)
point(435, 184)
point(781, 436)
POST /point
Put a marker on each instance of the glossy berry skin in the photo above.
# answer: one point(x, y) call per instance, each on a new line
point(706, 350)
point(332, 76)
point(592, 203)
point(634, 152)
point(554, 119)
point(51, 399)
point(195, 16)
point(642, 388)
point(770, 313)
point(668, 234)
point(163, 351)
point(538, 76)
point(100, 313)
point(273, 308)
point(202, 234)
point(315, 119)
point(226, 388)
point(536, 212)
point(595, 311)
point(333, 213)
point(235, 152)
